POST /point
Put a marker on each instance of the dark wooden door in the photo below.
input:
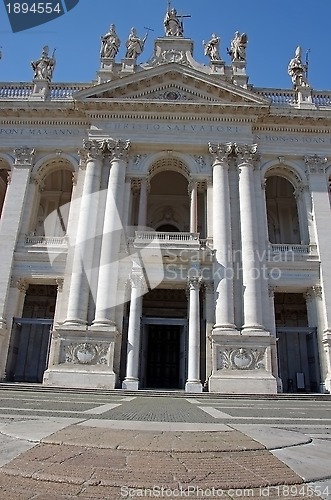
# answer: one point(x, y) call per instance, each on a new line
point(163, 356)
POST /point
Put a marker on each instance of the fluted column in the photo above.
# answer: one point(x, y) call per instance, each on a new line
point(222, 237)
point(92, 156)
point(193, 190)
point(193, 383)
point(11, 219)
point(142, 212)
point(246, 156)
point(112, 233)
point(131, 380)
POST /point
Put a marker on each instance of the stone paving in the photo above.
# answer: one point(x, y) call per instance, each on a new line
point(150, 447)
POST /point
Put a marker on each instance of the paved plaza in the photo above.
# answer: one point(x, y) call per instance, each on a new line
point(65, 444)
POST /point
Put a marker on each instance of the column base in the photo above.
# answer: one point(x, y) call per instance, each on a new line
point(193, 386)
point(326, 387)
point(243, 383)
point(86, 378)
point(130, 384)
point(81, 358)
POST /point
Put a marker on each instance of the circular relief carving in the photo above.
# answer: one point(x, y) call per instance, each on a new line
point(242, 359)
point(85, 353)
point(172, 95)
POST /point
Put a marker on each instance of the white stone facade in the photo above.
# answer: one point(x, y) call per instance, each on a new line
point(168, 224)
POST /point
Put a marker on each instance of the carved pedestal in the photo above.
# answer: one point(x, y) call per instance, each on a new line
point(304, 97)
point(128, 65)
point(82, 358)
point(239, 76)
point(40, 90)
point(106, 72)
point(241, 364)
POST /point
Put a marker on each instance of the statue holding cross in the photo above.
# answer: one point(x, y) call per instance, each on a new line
point(173, 23)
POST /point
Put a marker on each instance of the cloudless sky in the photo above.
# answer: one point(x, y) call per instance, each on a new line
point(274, 28)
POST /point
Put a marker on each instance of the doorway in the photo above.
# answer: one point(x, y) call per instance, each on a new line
point(163, 355)
point(298, 359)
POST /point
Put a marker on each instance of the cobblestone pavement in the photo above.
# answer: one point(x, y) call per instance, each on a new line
point(64, 445)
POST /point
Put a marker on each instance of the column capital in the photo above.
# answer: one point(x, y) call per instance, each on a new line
point(221, 152)
point(22, 284)
point(59, 283)
point(208, 287)
point(137, 280)
point(118, 149)
point(92, 150)
point(246, 154)
point(24, 156)
point(194, 283)
point(315, 164)
point(314, 292)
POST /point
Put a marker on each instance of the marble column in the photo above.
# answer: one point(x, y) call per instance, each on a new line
point(142, 211)
point(193, 383)
point(193, 191)
point(11, 219)
point(106, 299)
point(222, 238)
point(251, 270)
point(131, 380)
point(92, 156)
point(318, 184)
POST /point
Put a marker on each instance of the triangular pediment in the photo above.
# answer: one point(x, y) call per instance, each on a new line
point(171, 83)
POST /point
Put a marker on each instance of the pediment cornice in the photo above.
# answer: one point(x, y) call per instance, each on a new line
point(156, 83)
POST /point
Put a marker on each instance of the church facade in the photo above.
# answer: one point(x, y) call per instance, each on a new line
point(166, 226)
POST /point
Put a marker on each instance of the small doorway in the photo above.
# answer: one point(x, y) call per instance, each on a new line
point(29, 350)
point(298, 359)
point(163, 355)
point(30, 338)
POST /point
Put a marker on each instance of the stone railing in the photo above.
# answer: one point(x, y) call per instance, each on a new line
point(10, 90)
point(286, 97)
point(46, 241)
point(293, 250)
point(165, 240)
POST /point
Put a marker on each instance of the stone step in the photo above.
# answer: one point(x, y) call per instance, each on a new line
point(18, 386)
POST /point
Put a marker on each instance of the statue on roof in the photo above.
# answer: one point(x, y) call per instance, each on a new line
point(110, 43)
point(298, 70)
point(238, 46)
point(134, 44)
point(173, 25)
point(44, 66)
point(212, 48)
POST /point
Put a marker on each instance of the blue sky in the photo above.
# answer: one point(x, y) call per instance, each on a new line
point(274, 29)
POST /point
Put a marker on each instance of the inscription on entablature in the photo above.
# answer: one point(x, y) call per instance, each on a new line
point(294, 139)
point(199, 128)
point(41, 132)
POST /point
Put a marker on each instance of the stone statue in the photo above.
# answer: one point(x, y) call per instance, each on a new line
point(44, 66)
point(297, 70)
point(238, 47)
point(134, 45)
point(172, 24)
point(110, 43)
point(212, 48)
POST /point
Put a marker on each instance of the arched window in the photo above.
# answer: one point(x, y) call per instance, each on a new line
point(282, 212)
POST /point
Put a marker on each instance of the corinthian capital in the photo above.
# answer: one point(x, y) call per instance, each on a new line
point(221, 152)
point(24, 156)
point(246, 153)
point(118, 149)
point(92, 150)
point(315, 164)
